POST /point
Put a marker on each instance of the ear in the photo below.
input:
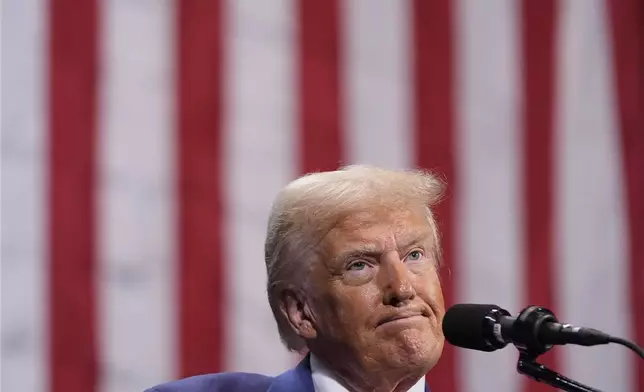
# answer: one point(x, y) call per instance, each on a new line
point(295, 309)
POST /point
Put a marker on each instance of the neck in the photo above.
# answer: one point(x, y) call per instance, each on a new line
point(356, 377)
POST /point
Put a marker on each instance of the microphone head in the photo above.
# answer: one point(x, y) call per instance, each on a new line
point(470, 325)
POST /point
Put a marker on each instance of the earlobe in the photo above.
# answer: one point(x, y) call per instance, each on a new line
point(295, 310)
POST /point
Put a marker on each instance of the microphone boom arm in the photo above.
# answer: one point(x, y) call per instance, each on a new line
point(538, 372)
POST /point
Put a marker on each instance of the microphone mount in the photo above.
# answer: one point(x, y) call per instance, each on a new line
point(527, 325)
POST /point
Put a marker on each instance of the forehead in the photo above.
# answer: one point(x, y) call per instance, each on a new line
point(377, 226)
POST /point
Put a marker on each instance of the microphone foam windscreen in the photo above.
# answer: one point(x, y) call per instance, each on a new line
point(463, 326)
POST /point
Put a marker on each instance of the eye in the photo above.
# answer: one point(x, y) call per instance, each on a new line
point(357, 265)
point(414, 255)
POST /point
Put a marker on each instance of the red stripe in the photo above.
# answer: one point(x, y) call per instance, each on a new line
point(202, 283)
point(539, 19)
point(320, 112)
point(434, 126)
point(627, 24)
point(72, 117)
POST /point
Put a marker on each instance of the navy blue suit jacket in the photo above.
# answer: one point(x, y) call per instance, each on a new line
point(297, 379)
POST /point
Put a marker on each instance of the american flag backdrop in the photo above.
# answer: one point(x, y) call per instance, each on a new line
point(143, 142)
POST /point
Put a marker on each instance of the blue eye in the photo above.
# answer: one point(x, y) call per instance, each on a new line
point(357, 266)
point(415, 255)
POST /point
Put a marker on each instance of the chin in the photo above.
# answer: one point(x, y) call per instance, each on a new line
point(417, 349)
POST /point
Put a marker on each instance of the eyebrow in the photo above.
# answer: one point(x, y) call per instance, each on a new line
point(372, 249)
point(409, 241)
point(362, 250)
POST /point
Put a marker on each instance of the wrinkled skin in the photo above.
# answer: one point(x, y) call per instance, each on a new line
point(374, 265)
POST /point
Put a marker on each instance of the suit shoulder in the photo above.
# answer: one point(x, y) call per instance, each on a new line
point(217, 382)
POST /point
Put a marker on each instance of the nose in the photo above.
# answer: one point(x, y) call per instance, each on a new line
point(396, 281)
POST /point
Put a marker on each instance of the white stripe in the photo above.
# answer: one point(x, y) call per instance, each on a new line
point(489, 177)
point(24, 195)
point(136, 230)
point(259, 159)
point(376, 75)
point(592, 244)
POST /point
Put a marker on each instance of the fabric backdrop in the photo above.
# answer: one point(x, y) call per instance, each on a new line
point(144, 140)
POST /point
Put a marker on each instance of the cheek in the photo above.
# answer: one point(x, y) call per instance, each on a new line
point(437, 294)
point(432, 292)
point(354, 305)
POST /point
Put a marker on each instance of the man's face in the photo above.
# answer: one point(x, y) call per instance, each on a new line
point(377, 293)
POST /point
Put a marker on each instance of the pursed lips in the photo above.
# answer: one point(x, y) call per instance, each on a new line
point(401, 315)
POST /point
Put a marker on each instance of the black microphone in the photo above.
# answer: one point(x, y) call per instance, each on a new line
point(535, 329)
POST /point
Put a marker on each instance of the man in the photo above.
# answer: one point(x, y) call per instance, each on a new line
point(352, 260)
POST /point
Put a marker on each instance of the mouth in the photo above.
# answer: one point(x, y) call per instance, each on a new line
point(407, 315)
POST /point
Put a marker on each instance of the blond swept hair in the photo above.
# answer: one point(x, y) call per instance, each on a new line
point(309, 206)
